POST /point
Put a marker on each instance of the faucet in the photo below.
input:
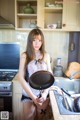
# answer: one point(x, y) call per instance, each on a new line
point(72, 76)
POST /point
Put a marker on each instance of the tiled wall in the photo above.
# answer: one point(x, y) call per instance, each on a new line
point(56, 43)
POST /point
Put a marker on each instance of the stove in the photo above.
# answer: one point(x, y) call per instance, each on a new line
point(6, 78)
point(9, 60)
point(7, 75)
point(9, 65)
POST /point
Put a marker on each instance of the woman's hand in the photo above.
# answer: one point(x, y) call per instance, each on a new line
point(42, 98)
point(37, 101)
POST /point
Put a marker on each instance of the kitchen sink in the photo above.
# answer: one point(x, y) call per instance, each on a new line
point(73, 87)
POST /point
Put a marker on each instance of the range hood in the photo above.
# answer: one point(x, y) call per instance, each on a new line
point(5, 24)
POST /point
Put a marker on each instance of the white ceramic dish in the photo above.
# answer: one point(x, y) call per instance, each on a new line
point(52, 26)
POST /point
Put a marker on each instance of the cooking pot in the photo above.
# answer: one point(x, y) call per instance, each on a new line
point(41, 80)
point(75, 101)
point(77, 104)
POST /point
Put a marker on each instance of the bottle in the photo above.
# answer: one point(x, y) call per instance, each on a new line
point(58, 24)
point(58, 69)
point(58, 61)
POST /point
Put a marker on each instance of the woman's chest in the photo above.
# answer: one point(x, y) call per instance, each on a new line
point(35, 66)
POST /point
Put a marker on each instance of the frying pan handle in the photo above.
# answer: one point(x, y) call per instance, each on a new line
point(39, 95)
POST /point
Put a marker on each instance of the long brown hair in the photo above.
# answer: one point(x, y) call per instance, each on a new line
point(30, 53)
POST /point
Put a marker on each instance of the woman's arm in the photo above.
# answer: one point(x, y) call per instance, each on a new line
point(21, 77)
point(47, 60)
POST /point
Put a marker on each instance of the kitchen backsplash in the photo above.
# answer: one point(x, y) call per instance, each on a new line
point(56, 43)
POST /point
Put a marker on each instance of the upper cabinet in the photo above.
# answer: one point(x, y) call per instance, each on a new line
point(53, 10)
point(25, 14)
point(7, 10)
point(71, 16)
point(47, 14)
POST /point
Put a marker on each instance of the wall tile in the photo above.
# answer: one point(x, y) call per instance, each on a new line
point(56, 43)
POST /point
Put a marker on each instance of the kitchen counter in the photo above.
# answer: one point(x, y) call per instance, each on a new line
point(55, 110)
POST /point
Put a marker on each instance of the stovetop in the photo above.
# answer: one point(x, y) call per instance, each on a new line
point(7, 75)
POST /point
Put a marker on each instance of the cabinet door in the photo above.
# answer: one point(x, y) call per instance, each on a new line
point(70, 14)
point(18, 108)
point(17, 104)
point(7, 10)
point(40, 13)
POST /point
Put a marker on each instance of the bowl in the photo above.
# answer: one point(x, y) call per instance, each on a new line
point(52, 26)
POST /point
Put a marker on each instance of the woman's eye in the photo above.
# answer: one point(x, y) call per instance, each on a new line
point(40, 40)
point(37, 40)
point(33, 39)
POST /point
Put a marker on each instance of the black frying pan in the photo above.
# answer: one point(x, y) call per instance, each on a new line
point(41, 80)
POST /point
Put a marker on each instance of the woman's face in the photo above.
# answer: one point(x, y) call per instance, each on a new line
point(37, 43)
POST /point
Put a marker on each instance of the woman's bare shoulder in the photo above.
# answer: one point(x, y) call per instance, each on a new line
point(46, 56)
point(23, 55)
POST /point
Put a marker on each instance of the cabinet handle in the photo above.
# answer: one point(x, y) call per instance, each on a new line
point(64, 25)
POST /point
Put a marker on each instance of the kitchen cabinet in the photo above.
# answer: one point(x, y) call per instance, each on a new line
point(42, 15)
point(53, 13)
point(7, 10)
point(71, 18)
point(17, 105)
point(63, 13)
point(25, 19)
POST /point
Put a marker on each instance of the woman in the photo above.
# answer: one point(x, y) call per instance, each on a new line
point(34, 59)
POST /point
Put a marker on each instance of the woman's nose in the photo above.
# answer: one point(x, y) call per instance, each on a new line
point(37, 41)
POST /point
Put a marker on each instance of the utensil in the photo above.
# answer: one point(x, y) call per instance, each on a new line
point(66, 104)
point(66, 92)
point(69, 99)
point(74, 102)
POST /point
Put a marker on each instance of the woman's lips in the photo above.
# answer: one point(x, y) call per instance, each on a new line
point(36, 46)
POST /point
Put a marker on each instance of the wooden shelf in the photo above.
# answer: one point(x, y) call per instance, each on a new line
point(27, 16)
point(22, 14)
point(27, 0)
point(53, 9)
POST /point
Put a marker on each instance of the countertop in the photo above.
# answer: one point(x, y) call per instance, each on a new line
point(55, 110)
